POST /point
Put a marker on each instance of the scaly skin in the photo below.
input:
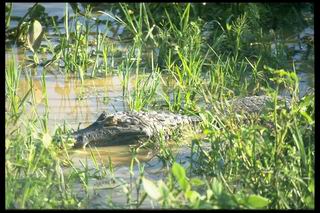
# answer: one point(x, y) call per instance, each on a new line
point(132, 127)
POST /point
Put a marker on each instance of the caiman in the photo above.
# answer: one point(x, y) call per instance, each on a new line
point(132, 127)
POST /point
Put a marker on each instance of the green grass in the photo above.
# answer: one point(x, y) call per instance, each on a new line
point(264, 161)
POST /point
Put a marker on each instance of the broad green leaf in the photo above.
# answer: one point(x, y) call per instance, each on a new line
point(151, 189)
point(256, 201)
point(35, 35)
point(192, 196)
point(178, 171)
point(196, 182)
point(180, 174)
point(184, 184)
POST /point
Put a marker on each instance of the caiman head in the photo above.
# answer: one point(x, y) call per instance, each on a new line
point(111, 130)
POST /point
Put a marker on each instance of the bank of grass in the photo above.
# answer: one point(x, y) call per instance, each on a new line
point(266, 162)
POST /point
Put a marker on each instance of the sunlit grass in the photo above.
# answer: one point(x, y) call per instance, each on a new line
point(259, 161)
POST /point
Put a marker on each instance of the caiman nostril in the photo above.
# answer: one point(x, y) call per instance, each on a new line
point(81, 141)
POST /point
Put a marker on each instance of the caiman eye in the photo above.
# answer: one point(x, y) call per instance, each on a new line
point(110, 121)
point(102, 117)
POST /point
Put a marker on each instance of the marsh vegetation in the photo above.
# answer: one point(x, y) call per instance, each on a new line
point(66, 63)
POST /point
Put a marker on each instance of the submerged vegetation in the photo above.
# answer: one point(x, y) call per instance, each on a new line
point(185, 58)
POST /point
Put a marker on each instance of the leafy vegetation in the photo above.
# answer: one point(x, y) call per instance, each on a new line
point(191, 54)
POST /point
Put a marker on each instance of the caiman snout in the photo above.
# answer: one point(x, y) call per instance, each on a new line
point(81, 140)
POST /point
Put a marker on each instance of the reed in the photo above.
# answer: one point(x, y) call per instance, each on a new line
point(264, 161)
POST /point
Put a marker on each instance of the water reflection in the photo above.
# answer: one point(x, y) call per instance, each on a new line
point(73, 102)
point(119, 155)
point(112, 187)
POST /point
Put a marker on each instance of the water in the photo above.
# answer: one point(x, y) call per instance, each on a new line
point(63, 94)
point(53, 9)
point(72, 102)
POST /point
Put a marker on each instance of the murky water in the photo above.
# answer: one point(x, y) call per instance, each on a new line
point(72, 102)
